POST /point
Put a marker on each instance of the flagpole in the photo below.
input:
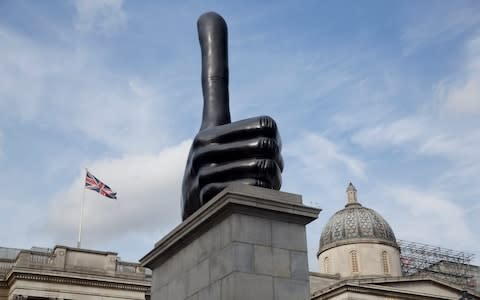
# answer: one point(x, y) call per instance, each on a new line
point(79, 242)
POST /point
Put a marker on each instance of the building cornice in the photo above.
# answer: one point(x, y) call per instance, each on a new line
point(374, 290)
point(357, 241)
point(412, 278)
point(375, 286)
point(68, 248)
point(89, 281)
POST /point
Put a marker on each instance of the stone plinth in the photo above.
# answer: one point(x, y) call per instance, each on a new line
point(246, 243)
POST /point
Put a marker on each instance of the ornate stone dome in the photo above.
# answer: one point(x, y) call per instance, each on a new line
point(355, 224)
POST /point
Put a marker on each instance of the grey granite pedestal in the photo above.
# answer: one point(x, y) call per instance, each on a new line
point(246, 243)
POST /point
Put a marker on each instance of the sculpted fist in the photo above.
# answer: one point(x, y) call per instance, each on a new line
point(246, 151)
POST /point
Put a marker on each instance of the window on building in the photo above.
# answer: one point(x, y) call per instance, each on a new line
point(386, 268)
point(354, 261)
point(326, 266)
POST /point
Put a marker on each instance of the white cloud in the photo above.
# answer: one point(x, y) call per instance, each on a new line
point(461, 94)
point(456, 147)
point(423, 135)
point(22, 72)
point(430, 216)
point(466, 98)
point(429, 213)
point(1, 145)
point(442, 23)
point(452, 146)
point(148, 188)
point(100, 16)
point(318, 154)
point(72, 90)
point(397, 132)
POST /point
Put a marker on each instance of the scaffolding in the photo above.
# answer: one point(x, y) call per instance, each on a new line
point(453, 266)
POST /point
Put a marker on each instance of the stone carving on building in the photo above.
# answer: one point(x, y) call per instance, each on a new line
point(225, 152)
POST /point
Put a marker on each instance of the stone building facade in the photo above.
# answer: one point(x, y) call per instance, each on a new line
point(70, 273)
point(359, 258)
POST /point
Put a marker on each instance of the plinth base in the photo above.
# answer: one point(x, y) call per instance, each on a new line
point(246, 243)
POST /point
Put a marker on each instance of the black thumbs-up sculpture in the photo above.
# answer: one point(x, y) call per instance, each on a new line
point(225, 152)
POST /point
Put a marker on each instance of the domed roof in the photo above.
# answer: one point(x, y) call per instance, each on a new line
point(355, 224)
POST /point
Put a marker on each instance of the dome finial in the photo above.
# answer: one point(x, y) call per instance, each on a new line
point(351, 195)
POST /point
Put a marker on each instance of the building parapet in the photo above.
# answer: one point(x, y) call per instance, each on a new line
point(69, 259)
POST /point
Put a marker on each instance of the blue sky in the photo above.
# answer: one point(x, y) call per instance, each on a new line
point(385, 94)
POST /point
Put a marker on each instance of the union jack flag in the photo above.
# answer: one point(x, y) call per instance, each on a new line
point(92, 183)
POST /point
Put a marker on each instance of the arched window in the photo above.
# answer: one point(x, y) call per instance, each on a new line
point(326, 266)
point(386, 268)
point(354, 261)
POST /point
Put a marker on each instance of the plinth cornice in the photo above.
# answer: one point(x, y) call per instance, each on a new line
point(238, 198)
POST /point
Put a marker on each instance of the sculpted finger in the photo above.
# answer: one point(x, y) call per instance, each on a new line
point(263, 169)
point(263, 126)
point(211, 190)
point(262, 147)
point(213, 37)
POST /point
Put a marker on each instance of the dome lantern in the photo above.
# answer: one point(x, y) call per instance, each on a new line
point(352, 195)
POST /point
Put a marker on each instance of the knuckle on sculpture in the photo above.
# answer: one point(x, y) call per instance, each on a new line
point(261, 183)
point(263, 165)
point(202, 138)
point(264, 144)
point(198, 140)
point(268, 145)
point(267, 122)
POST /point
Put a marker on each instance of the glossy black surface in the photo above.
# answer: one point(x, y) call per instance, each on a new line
point(223, 152)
